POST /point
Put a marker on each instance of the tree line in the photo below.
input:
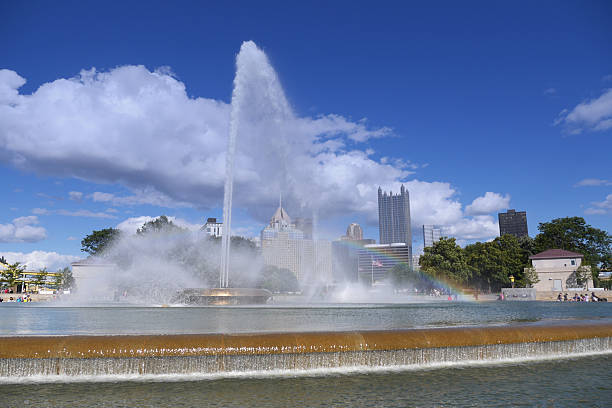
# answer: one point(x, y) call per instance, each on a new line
point(12, 274)
point(489, 266)
point(189, 255)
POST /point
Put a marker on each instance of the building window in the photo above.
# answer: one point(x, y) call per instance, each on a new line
point(573, 262)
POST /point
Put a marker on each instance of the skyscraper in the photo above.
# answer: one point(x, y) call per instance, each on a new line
point(304, 225)
point(431, 234)
point(513, 223)
point(344, 253)
point(285, 246)
point(394, 217)
point(354, 232)
point(375, 261)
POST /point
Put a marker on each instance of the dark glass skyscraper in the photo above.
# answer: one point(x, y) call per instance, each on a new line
point(513, 223)
point(394, 217)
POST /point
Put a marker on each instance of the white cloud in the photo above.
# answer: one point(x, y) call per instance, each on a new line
point(75, 213)
point(40, 259)
point(478, 227)
point(591, 115)
point(601, 207)
point(139, 129)
point(132, 224)
point(22, 229)
point(85, 213)
point(10, 82)
point(146, 196)
point(588, 182)
point(437, 203)
point(75, 195)
point(487, 204)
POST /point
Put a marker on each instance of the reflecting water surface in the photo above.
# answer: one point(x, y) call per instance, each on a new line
point(37, 319)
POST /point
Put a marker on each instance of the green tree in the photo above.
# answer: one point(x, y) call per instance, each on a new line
point(401, 275)
point(530, 277)
point(278, 279)
point(41, 278)
point(160, 225)
point(493, 262)
point(96, 242)
point(482, 263)
point(582, 275)
point(574, 234)
point(65, 280)
point(11, 273)
point(445, 260)
point(3, 260)
point(528, 246)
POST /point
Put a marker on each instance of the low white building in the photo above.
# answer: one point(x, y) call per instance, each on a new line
point(556, 270)
point(213, 228)
point(94, 278)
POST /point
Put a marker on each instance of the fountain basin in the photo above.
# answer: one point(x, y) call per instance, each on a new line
point(219, 353)
point(224, 296)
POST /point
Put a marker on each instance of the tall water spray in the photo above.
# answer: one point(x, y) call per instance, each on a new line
point(229, 183)
point(259, 100)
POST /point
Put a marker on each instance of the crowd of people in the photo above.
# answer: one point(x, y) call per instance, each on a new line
point(580, 298)
point(19, 299)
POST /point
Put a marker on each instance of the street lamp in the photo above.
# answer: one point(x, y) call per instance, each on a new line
point(512, 280)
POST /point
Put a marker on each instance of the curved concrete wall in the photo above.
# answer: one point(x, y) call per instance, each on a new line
point(289, 343)
point(208, 353)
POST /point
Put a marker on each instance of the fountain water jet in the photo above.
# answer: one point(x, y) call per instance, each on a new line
point(253, 71)
point(224, 294)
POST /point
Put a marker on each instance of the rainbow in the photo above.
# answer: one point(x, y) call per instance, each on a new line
point(390, 259)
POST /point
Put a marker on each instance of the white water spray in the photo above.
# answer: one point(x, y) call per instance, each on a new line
point(229, 183)
point(255, 85)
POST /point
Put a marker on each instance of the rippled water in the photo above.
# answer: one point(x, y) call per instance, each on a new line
point(583, 382)
point(32, 319)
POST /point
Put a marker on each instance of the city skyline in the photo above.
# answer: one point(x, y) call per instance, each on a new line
point(105, 124)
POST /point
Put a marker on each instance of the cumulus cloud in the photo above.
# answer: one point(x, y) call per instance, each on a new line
point(490, 202)
point(592, 115)
point(140, 129)
point(589, 182)
point(477, 227)
point(601, 207)
point(437, 203)
point(22, 229)
point(35, 260)
point(10, 82)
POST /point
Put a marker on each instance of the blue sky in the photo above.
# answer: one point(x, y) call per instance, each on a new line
point(478, 107)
